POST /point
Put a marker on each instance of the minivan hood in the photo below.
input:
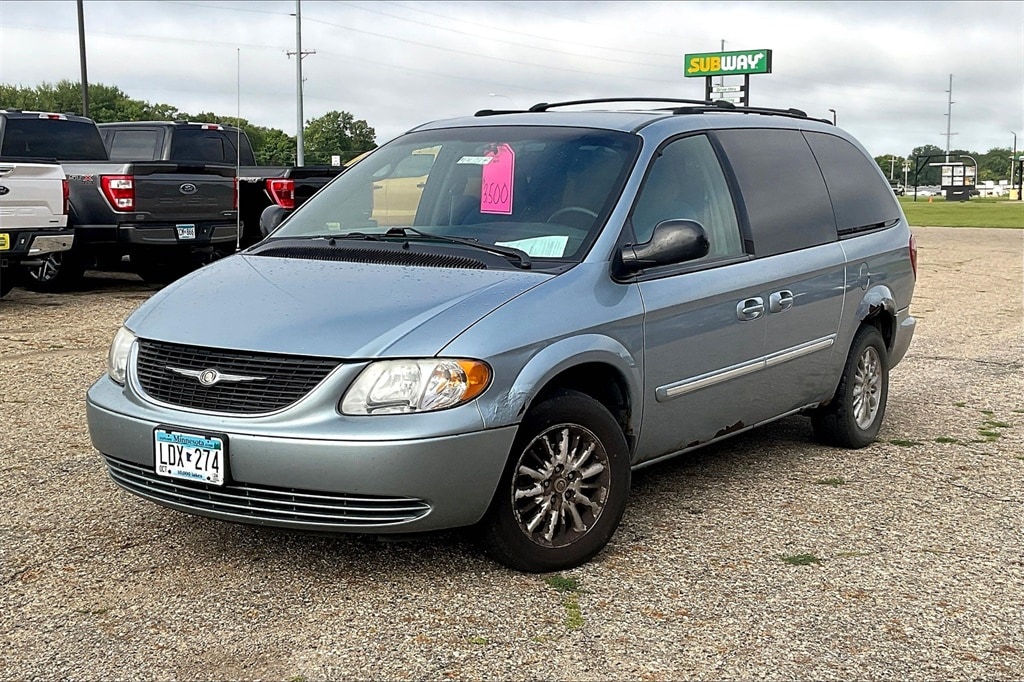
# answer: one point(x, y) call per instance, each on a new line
point(322, 308)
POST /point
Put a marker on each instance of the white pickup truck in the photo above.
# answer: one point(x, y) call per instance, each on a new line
point(33, 216)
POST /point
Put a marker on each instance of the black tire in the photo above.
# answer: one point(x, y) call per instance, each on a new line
point(559, 425)
point(8, 279)
point(60, 271)
point(854, 417)
point(157, 271)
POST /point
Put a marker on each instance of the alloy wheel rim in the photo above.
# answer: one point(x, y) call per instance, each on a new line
point(48, 270)
point(560, 485)
point(867, 388)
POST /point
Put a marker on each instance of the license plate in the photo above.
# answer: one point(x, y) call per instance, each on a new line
point(190, 456)
point(186, 231)
point(5, 241)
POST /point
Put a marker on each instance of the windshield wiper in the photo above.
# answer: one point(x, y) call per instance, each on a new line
point(517, 257)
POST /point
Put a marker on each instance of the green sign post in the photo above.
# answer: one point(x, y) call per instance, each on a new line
point(738, 63)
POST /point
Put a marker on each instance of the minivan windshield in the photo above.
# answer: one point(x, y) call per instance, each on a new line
point(543, 191)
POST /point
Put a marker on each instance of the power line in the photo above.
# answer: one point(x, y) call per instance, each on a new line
point(492, 39)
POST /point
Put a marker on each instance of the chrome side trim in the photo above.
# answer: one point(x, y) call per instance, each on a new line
point(678, 388)
point(799, 351)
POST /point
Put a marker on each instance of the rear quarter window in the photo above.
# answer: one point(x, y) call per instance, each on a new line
point(135, 145)
point(787, 204)
point(861, 198)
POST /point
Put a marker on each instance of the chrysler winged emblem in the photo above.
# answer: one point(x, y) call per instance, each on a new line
point(210, 377)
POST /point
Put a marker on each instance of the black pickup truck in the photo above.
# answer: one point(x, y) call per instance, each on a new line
point(258, 186)
point(166, 217)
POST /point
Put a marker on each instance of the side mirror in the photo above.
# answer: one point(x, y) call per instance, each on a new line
point(673, 241)
point(271, 217)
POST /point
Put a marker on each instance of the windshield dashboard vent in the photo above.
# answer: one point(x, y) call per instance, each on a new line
point(375, 256)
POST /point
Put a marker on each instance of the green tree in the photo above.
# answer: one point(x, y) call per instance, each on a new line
point(995, 164)
point(337, 133)
point(891, 163)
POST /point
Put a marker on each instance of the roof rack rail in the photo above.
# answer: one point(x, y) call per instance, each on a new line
point(697, 106)
point(729, 106)
point(544, 106)
point(495, 112)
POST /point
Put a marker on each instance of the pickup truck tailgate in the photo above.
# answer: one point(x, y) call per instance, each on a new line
point(177, 191)
point(32, 195)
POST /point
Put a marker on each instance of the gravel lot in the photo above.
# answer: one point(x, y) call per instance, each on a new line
point(919, 539)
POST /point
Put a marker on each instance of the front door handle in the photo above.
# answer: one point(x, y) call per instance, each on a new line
point(750, 309)
point(780, 300)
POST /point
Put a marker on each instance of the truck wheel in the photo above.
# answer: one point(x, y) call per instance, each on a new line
point(564, 490)
point(854, 417)
point(157, 271)
point(59, 271)
point(7, 280)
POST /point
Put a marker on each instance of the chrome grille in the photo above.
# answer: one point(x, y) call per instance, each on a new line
point(267, 504)
point(284, 378)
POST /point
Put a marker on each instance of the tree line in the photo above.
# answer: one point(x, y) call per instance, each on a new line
point(340, 133)
point(992, 165)
point(335, 133)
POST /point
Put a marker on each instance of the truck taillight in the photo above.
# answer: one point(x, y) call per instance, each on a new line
point(913, 254)
point(119, 191)
point(67, 196)
point(234, 201)
point(282, 192)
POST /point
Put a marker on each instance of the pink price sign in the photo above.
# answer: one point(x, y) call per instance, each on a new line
point(496, 181)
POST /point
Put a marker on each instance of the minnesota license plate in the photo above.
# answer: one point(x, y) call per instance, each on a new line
point(5, 241)
point(186, 231)
point(190, 456)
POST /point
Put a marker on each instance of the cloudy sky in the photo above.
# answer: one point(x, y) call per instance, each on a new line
point(883, 66)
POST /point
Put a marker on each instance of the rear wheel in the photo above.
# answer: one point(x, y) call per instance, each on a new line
point(854, 416)
point(564, 489)
point(59, 271)
point(7, 280)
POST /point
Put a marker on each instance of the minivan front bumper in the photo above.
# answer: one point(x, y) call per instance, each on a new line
point(317, 484)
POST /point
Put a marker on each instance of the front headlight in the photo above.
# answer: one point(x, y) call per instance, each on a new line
point(402, 386)
point(117, 358)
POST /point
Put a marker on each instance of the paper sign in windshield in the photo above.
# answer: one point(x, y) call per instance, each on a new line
point(540, 247)
point(496, 181)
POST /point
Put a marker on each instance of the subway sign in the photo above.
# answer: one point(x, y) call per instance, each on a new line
point(728, 63)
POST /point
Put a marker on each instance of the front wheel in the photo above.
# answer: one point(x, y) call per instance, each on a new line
point(565, 487)
point(854, 416)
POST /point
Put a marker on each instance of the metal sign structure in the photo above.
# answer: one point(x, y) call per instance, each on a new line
point(737, 63)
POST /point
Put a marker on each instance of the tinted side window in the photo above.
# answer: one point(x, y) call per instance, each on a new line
point(860, 197)
point(205, 146)
point(787, 204)
point(134, 145)
point(686, 181)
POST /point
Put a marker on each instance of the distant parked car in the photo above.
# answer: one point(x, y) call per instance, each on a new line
point(897, 187)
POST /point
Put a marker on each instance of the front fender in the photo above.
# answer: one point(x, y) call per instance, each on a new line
point(555, 359)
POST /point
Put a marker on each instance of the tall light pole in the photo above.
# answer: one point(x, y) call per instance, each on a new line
point(892, 165)
point(1013, 159)
point(81, 56)
point(299, 155)
point(949, 116)
point(299, 54)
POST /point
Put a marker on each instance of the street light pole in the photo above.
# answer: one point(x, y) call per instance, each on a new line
point(299, 143)
point(892, 165)
point(1013, 159)
point(81, 54)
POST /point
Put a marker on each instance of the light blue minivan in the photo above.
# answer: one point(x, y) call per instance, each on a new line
point(572, 293)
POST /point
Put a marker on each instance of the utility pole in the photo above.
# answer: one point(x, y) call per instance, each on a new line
point(299, 54)
point(949, 116)
point(81, 57)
